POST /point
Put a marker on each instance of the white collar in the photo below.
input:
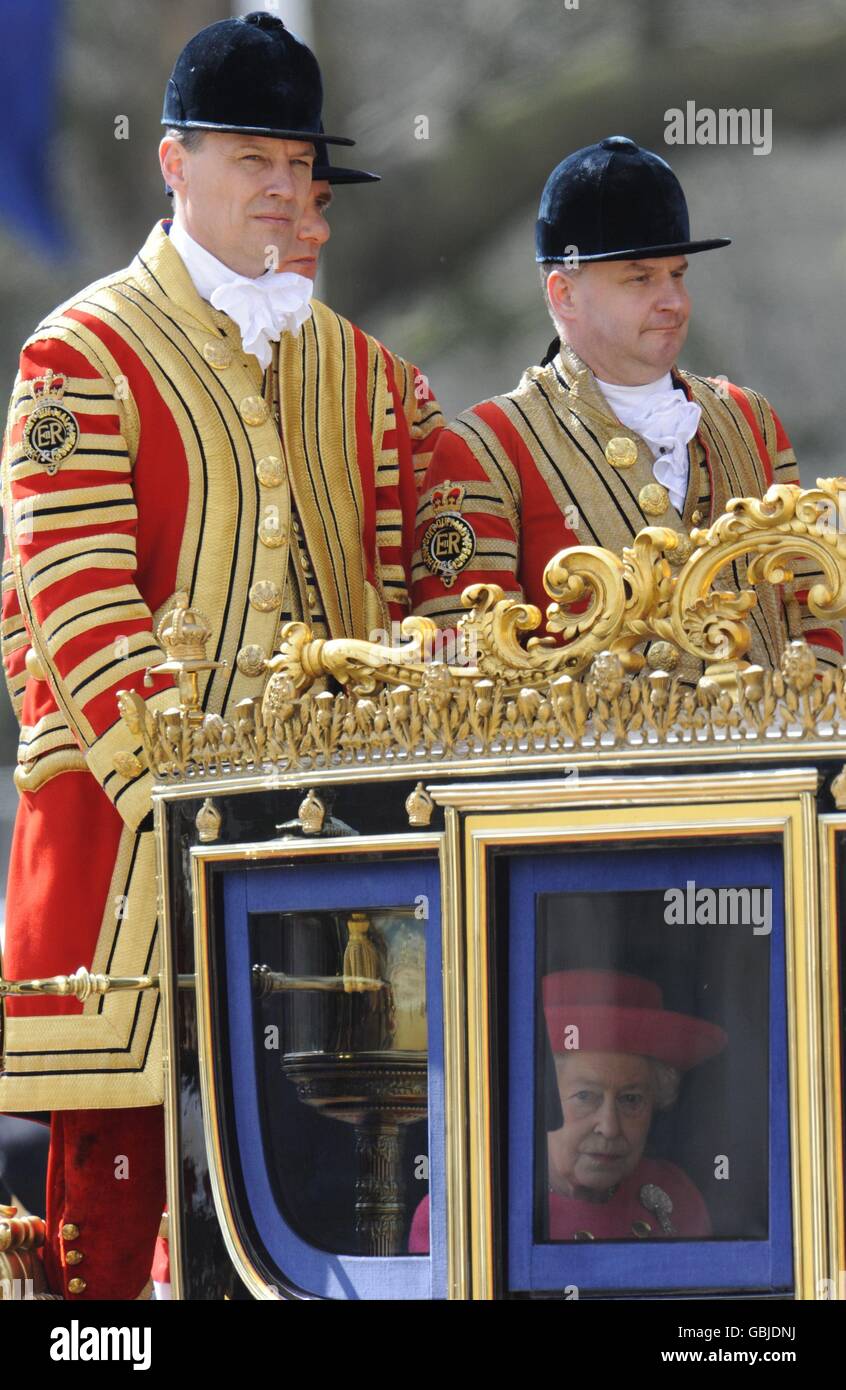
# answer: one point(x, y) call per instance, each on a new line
point(263, 306)
point(637, 394)
point(206, 271)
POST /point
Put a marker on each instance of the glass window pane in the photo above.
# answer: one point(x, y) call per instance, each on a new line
point(652, 1096)
point(340, 1013)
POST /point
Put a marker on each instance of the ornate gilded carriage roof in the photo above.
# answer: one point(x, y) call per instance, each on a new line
point(588, 697)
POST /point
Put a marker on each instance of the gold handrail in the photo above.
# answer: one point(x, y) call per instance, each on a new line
point(80, 985)
point(267, 981)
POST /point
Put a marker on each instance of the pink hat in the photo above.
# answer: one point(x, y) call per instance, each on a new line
point(623, 1013)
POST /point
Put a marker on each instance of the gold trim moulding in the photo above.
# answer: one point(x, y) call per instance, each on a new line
point(479, 1074)
point(239, 782)
point(830, 910)
point(804, 957)
point(572, 792)
point(455, 1062)
point(250, 850)
point(809, 1032)
point(172, 1094)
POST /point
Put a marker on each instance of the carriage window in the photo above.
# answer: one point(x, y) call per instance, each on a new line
point(341, 1029)
point(652, 1094)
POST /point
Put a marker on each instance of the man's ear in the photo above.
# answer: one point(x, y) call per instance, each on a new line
point(172, 162)
point(560, 289)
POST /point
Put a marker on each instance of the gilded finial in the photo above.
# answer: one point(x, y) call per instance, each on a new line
point(838, 789)
point(184, 632)
point(208, 821)
point(419, 806)
point(311, 813)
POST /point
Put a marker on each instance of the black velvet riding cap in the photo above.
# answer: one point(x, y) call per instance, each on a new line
point(614, 202)
point(249, 75)
point(324, 169)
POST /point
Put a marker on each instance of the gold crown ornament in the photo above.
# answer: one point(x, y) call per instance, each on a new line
point(208, 821)
point(311, 813)
point(184, 632)
point(419, 806)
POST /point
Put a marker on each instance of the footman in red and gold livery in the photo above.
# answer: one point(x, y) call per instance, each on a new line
point(608, 435)
point(156, 446)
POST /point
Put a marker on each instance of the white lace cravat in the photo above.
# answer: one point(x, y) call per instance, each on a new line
point(264, 308)
point(663, 416)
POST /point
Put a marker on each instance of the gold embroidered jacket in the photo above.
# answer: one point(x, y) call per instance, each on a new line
point(143, 457)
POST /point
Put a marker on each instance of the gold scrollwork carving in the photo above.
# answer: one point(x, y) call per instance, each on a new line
point(582, 685)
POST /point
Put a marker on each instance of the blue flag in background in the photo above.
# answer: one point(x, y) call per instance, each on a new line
point(29, 69)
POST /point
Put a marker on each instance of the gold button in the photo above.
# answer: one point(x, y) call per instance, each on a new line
point(271, 533)
point(250, 661)
point(654, 499)
point(312, 599)
point(73, 1257)
point(265, 595)
point(683, 550)
point(70, 1231)
point(218, 354)
point(254, 410)
point(269, 471)
point(583, 1235)
point(33, 666)
point(696, 518)
point(127, 764)
point(621, 452)
point(641, 1229)
point(77, 1286)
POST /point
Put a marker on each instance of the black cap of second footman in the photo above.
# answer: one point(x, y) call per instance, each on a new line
point(614, 201)
point(324, 169)
point(249, 75)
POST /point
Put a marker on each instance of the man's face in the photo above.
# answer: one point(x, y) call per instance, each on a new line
point(608, 1101)
point(241, 196)
point(626, 319)
point(313, 231)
